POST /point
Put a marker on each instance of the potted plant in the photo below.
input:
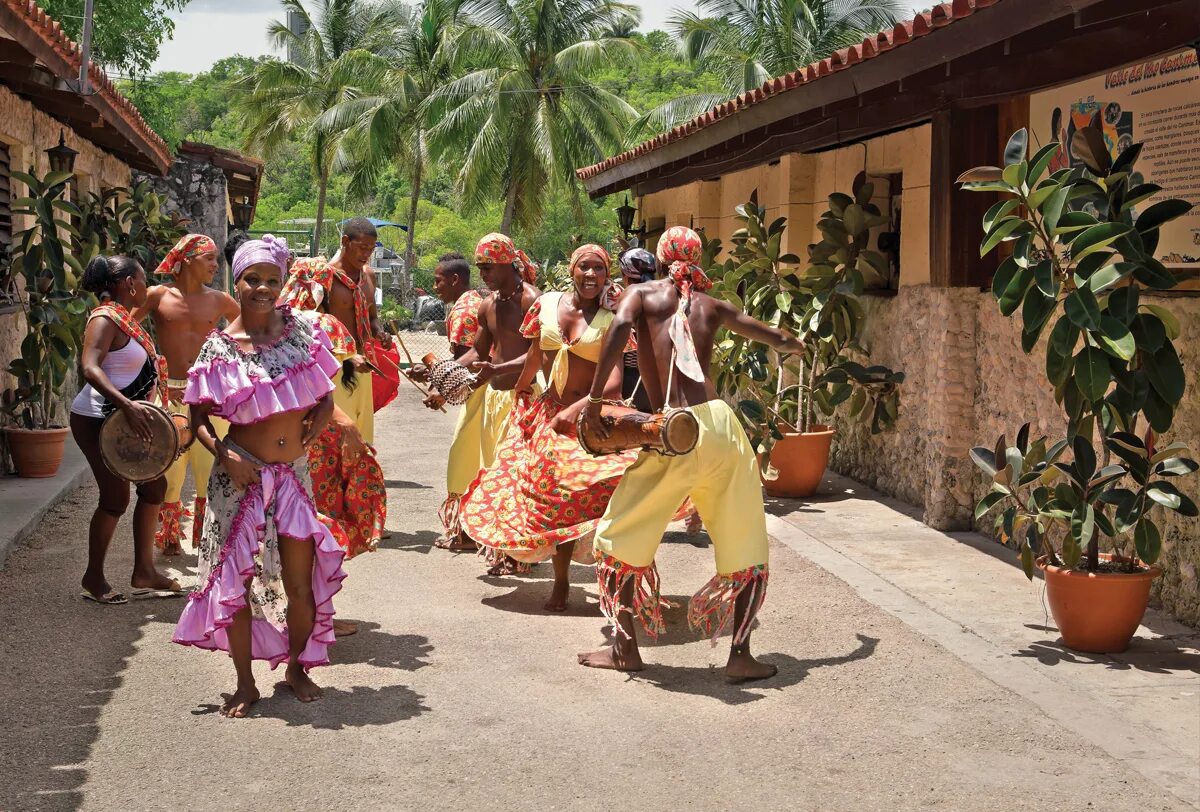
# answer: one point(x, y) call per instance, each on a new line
point(54, 322)
point(784, 403)
point(1082, 253)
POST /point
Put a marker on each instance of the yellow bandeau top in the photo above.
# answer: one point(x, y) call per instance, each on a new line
point(587, 346)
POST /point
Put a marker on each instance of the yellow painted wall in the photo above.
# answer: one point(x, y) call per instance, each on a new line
point(797, 186)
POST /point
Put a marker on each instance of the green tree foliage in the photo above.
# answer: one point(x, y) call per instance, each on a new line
point(282, 101)
point(528, 112)
point(127, 33)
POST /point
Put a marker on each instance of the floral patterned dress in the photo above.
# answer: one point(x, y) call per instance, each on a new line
point(543, 489)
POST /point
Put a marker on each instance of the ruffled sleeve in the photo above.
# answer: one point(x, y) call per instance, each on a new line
point(532, 326)
point(238, 386)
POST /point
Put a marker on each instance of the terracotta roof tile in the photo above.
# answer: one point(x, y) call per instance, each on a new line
point(871, 47)
point(50, 32)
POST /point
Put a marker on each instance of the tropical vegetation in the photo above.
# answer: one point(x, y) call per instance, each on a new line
point(458, 117)
point(1082, 258)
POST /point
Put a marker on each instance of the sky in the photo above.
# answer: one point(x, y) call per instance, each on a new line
point(208, 30)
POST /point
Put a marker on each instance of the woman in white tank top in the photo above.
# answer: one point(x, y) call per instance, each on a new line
point(121, 368)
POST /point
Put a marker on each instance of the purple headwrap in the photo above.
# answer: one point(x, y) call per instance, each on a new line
point(269, 249)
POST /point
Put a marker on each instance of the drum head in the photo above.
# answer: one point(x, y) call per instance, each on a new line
point(681, 432)
point(130, 457)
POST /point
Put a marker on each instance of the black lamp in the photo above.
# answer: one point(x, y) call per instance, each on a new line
point(242, 212)
point(625, 215)
point(62, 157)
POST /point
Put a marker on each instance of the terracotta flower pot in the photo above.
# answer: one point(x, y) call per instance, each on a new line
point(36, 453)
point(1097, 612)
point(800, 460)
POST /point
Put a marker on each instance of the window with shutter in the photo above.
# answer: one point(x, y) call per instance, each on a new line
point(6, 220)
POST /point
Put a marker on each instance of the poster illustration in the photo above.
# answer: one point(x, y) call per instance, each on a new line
point(1155, 102)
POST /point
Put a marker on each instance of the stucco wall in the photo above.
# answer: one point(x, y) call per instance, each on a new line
point(968, 382)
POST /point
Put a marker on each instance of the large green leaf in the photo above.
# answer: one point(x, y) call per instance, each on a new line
point(1159, 413)
point(1047, 280)
point(1017, 147)
point(1006, 229)
point(1035, 312)
point(1162, 212)
point(1041, 160)
point(1083, 523)
point(1108, 276)
point(1148, 331)
point(1083, 309)
point(1014, 293)
point(1053, 208)
point(1170, 323)
point(1096, 238)
point(1003, 276)
point(1115, 338)
point(1147, 541)
point(1166, 373)
point(1092, 373)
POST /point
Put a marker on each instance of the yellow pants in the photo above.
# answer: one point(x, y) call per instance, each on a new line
point(494, 423)
point(721, 477)
point(466, 449)
point(197, 457)
point(359, 404)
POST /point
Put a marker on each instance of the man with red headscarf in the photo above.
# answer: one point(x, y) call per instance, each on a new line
point(185, 310)
point(677, 325)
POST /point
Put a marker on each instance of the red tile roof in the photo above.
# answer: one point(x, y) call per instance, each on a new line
point(871, 47)
point(50, 32)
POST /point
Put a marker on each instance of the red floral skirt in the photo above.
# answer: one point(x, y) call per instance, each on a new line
point(542, 491)
point(350, 497)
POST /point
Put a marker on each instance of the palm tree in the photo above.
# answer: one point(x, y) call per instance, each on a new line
point(527, 113)
point(282, 100)
point(747, 42)
point(387, 124)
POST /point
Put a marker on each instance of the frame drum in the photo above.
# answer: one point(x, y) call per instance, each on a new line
point(136, 460)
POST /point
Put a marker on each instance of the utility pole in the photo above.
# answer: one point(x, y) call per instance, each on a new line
point(86, 47)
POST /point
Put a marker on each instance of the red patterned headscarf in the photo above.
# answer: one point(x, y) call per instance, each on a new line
point(189, 246)
point(612, 292)
point(499, 249)
point(680, 250)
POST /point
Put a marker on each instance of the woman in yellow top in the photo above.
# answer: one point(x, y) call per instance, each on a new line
point(544, 493)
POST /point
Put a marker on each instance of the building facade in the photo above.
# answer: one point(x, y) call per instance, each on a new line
point(913, 108)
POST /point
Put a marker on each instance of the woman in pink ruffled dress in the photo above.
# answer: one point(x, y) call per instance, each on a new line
point(269, 568)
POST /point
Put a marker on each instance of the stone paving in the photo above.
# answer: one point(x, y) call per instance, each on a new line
point(460, 693)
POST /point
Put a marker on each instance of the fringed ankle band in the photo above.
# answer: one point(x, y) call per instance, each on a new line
point(613, 576)
point(712, 608)
point(449, 514)
point(171, 517)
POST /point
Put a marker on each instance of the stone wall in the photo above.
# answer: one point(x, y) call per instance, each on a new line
point(968, 382)
point(196, 191)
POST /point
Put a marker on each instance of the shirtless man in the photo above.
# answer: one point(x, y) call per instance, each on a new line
point(452, 284)
point(349, 286)
point(185, 310)
point(676, 326)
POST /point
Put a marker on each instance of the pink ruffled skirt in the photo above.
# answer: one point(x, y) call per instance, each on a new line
point(239, 564)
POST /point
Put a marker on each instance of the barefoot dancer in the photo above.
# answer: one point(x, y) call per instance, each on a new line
point(720, 474)
point(452, 284)
point(185, 310)
point(268, 566)
point(350, 298)
point(544, 493)
point(500, 349)
point(122, 369)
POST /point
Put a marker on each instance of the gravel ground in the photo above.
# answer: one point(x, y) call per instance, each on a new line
point(461, 693)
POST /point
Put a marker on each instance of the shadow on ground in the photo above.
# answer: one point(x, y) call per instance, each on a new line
point(710, 681)
point(418, 542)
point(405, 485)
point(1159, 655)
point(336, 709)
point(371, 646)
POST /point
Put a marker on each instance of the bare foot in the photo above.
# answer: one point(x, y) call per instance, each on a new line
point(238, 705)
point(612, 660)
point(558, 598)
point(742, 667)
point(344, 628)
point(505, 566)
point(173, 548)
point(301, 684)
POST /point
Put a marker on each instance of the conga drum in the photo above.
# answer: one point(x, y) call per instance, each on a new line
point(670, 433)
point(136, 460)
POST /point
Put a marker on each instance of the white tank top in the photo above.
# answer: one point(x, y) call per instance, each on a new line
point(121, 366)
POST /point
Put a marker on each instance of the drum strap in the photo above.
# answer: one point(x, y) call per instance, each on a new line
point(666, 394)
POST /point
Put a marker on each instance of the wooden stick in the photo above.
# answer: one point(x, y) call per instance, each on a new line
point(404, 375)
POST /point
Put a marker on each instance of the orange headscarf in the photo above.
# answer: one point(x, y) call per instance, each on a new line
point(500, 250)
point(189, 246)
